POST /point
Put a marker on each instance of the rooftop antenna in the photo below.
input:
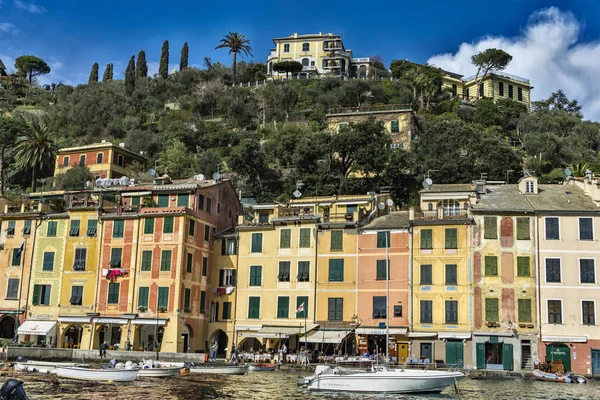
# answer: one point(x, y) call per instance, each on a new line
point(429, 171)
point(427, 181)
point(297, 193)
point(483, 176)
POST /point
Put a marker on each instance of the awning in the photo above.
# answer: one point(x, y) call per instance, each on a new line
point(148, 321)
point(108, 320)
point(325, 336)
point(283, 331)
point(86, 320)
point(352, 202)
point(422, 334)
point(36, 327)
point(241, 328)
point(566, 339)
point(125, 194)
point(303, 205)
point(454, 335)
point(502, 334)
point(379, 331)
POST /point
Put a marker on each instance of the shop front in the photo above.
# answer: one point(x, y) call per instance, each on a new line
point(329, 341)
point(74, 332)
point(500, 351)
point(372, 341)
point(576, 353)
point(41, 333)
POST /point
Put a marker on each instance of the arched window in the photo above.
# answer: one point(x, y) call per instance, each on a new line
point(99, 158)
point(430, 207)
point(305, 62)
point(305, 46)
point(82, 160)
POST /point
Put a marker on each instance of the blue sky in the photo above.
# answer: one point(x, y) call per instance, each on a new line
point(72, 34)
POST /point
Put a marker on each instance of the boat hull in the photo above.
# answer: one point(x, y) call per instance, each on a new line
point(89, 374)
point(261, 367)
point(550, 377)
point(44, 366)
point(225, 370)
point(158, 372)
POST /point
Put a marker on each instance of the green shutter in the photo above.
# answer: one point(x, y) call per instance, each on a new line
point(524, 310)
point(204, 266)
point(490, 229)
point(163, 200)
point(163, 297)
point(146, 260)
point(48, 261)
point(426, 274)
point(183, 200)
point(337, 240)
point(336, 270)
point(168, 225)
point(165, 260)
point(523, 266)
point(254, 307)
point(304, 238)
point(395, 126)
point(113, 293)
point(148, 226)
point(36, 295)
point(255, 275)
point(426, 238)
point(383, 240)
point(226, 310)
point(118, 225)
point(480, 351)
point(187, 294)
point(451, 238)
point(92, 227)
point(202, 301)
point(285, 239)
point(135, 201)
point(507, 356)
point(52, 225)
point(302, 300)
point(523, 228)
point(190, 263)
point(491, 310)
point(381, 275)
point(283, 307)
point(451, 278)
point(143, 297)
point(257, 242)
point(491, 266)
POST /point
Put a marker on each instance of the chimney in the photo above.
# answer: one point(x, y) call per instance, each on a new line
point(103, 141)
point(295, 34)
point(122, 145)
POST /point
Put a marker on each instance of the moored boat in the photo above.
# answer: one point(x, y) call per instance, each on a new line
point(550, 377)
point(261, 367)
point(221, 370)
point(90, 374)
point(44, 367)
point(158, 372)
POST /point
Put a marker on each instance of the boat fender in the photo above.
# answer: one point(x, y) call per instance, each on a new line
point(13, 390)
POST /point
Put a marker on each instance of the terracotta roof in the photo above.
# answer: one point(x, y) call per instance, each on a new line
point(393, 220)
point(454, 187)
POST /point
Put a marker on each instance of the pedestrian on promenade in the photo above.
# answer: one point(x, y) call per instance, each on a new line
point(103, 348)
point(213, 351)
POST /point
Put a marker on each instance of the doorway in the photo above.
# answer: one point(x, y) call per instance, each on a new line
point(426, 351)
point(402, 352)
point(454, 353)
point(7, 327)
point(559, 351)
point(185, 340)
point(596, 361)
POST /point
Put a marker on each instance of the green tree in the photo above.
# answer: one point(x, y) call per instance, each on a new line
point(176, 160)
point(289, 67)
point(108, 73)
point(183, 62)
point(163, 68)
point(93, 74)
point(559, 101)
point(236, 43)
point(36, 148)
point(30, 67)
point(141, 68)
point(74, 178)
point(10, 129)
point(130, 77)
point(487, 61)
point(249, 162)
point(208, 162)
point(425, 80)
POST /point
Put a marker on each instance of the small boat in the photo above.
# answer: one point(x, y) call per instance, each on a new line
point(221, 370)
point(550, 377)
point(44, 367)
point(261, 367)
point(158, 372)
point(89, 374)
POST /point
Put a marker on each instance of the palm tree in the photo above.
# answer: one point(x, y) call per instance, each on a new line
point(36, 148)
point(237, 43)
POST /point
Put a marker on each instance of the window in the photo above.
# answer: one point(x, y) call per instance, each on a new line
point(510, 91)
point(394, 126)
point(302, 301)
point(335, 310)
point(588, 312)
point(586, 229)
point(218, 208)
point(426, 239)
point(16, 257)
point(529, 187)
point(165, 260)
point(501, 88)
point(554, 311)
point(99, 157)
point(520, 94)
point(553, 270)
point(552, 228)
point(303, 271)
point(466, 96)
point(48, 264)
point(187, 295)
point(523, 268)
point(305, 62)
point(255, 275)
point(226, 310)
point(201, 202)
point(342, 126)
point(163, 297)
point(118, 228)
point(351, 209)
point(143, 297)
point(381, 272)
point(80, 259)
point(336, 270)
point(524, 306)
point(206, 233)
point(82, 160)
point(192, 228)
point(305, 46)
point(286, 48)
point(148, 226)
point(202, 301)
point(115, 258)
point(587, 270)
point(397, 146)
point(397, 311)
point(451, 238)
point(135, 201)
point(92, 227)
point(451, 278)
point(66, 161)
point(491, 310)
point(263, 218)
point(208, 204)
point(183, 200)
point(189, 263)
point(454, 89)
point(304, 238)
point(168, 225)
point(257, 242)
point(204, 266)
point(74, 228)
point(120, 160)
point(76, 295)
point(523, 228)
point(426, 311)
point(227, 277)
point(379, 307)
point(163, 200)
point(284, 271)
point(451, 312)
point(285, 239)
point(490, 229)
point(113, 293)
point(228, 247)
point(383, 240)
point(426, 275)
point(41, 295)
point(283, 307)
point(253, 307)
point(27, 227)
point(146, 260)
point(52, 225)
point(481, 89)
point(337, 240)
point(12, 290)
point(491, 266)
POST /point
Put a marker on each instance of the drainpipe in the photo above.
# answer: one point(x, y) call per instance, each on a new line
point(135, 268)
point(37, 225)
point(98, 268)
point(237, 270)
point(410, 285)
point(316, 272)
point(539, 278)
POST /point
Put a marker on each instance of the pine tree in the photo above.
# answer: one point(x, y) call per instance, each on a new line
point(183, 64)
point(108, 75)
point(130, 77)
point(163, 69)
point(93, 74)
point(141, 68)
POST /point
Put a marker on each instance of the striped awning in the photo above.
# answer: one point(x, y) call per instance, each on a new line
point(381, 331)
point(86, 320)
point(454, 335)
point(422, 334)
point(148, 321)
point(108, 320)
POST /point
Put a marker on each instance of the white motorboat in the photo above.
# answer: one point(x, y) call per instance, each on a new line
point(380, 380)
point(44, 367)
point(158, 372)
point(89, 374)
point(221, 370)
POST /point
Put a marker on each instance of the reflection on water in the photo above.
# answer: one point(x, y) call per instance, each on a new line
point(282, 385)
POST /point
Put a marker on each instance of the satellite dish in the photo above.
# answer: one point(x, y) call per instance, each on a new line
point(389, 202)
point(429, 182)
point(199, 177)
point(381, 206)
point(152, 172)
point(568, 172)
point(249, 216)
point(216, 176)
point(297, 193)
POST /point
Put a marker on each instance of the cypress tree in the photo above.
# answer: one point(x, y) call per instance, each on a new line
point(108, 75)
point(130, 77)
point(93, 74)
point(183, 63)
point(141, 68)
point(163, 69)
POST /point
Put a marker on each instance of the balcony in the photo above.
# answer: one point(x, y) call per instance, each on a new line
point(120, 210)
point(82, 200)
point(339, 217)
point(441, 213)
point(331, 45)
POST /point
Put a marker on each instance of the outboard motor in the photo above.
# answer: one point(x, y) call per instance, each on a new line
point(13, 390)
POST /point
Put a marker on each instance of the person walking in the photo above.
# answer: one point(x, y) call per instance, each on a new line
point(213, 351)
point(233, 357)
point(103, 348)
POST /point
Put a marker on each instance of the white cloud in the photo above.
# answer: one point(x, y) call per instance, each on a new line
point(153, 68)
point(548, 52)
point(29, 7)
point(7, 27)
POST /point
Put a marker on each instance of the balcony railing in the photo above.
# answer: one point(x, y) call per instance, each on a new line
point(417, 213)
point(386, 107)
point(504, 74)
point(339, 217)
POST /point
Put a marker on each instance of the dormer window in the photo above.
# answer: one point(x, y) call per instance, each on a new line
point(529, 187)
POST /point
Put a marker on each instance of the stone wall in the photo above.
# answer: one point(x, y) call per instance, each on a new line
point(39, 353)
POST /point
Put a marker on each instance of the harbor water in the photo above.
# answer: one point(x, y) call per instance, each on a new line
point(282, 385)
